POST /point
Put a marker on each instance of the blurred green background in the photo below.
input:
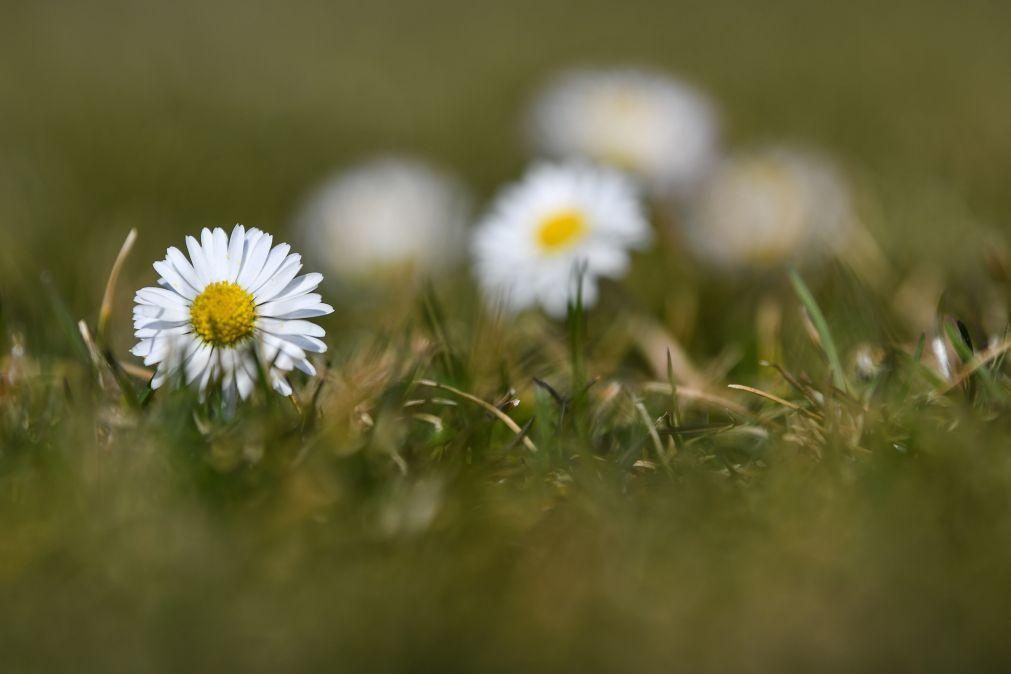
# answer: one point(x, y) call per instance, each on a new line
point(171, 116)
point(174, 116)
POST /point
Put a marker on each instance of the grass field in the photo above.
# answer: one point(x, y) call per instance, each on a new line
point(834, 514)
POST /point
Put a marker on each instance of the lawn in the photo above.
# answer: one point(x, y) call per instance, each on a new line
point(707, 470)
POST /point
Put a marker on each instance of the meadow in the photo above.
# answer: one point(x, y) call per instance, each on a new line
point(708, 469)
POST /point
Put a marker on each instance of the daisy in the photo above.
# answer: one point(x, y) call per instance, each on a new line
point(770, 208)
point(385, 214)
point(556, 219)
point(234, 299)
point(661, 130)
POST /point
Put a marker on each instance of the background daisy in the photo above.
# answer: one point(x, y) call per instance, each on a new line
point(768, 208)
point(386, 214)
point(656, 127)
point(232, 300)
point(527, 248)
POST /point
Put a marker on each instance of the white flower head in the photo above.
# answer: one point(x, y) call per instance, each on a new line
point(559, 223)
point(235, 299)
point(384, 214)
point(770, 208)
point(659, 129)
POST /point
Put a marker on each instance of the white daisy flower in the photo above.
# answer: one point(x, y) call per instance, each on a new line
point(558, 218)
point(662, 131)
point(770, 208)
point(385, 214)
point(233, 295)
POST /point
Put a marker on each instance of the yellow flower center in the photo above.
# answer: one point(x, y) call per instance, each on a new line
point(223, 314)
point(561, 229)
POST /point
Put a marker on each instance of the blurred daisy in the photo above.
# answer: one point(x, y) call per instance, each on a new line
point(659, 129)
point(770, 208)
point(386, 214)
point(557, 218)
point(233, 295)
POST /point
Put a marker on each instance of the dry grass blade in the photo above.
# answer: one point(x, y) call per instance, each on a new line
point(775, 398)
point(697, 395)
point(978, 361)
point(431, 419)
point(137, 371)
point(791, 380)
point(502, 416)
point(653, 435)
point(658, 345)
point(105, 312)
point(93, 352)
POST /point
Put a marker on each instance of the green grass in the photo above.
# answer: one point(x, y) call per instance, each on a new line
point(390, 522)
point(636, 513)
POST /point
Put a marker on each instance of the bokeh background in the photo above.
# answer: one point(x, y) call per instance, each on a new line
point(171, 116)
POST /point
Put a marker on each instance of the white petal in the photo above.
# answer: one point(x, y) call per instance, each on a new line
point(145, 333)
point(185, 269)
point(229, 365)
point(157, 324)
point(200, 265)
point(142, 348)
point(235, 247)
point(159, 379)
point(298, 286)
point(275, 344)
point(229, 392)
point(216, 267)
point(163, 313)
point(305, 366)
point(207, 244)
point(281, 385)
point(283, 362)
point(199, 364)
point(245, 378)
point(161, 351)
point(167, 350)
point(257, 250)
point(221, 253)
point(276, 327)
point(303, 306)
point(274, 261)
point(174, 279)
point(314, 311)
point(205, 378)
point(310, 344)
point(172, 358)
point(161, 297)
point(280, 280)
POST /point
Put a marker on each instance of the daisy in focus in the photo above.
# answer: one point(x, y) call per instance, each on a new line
point(386, 214)
point(560, 223)
point(768, 209)
point(234, 299)
point(662, 131)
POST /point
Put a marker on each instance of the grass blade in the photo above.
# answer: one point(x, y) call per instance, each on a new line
point(821, 325)
point(105, 312)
